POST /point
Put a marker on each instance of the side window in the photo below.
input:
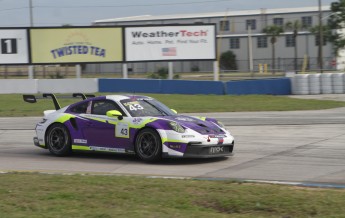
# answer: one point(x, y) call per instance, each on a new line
point(102, 107)
point(80, 108)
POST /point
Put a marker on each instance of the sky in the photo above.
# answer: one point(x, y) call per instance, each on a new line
point(16, 13)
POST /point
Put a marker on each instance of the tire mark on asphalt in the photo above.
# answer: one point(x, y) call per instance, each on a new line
point(266, 158)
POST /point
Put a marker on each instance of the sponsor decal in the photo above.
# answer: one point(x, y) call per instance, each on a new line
point(216, 150)
point(184, 119)
point(116, 150)
point(80, 141)
point(217, 136)
point(220, 141)
point(175, 146)
point(188, 136)
point(137, 120)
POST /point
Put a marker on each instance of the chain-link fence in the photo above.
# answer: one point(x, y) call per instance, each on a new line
point(187, 69)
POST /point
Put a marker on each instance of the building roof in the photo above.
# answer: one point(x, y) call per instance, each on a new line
point(213, 14)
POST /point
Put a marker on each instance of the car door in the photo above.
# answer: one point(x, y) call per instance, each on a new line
point(105, 133)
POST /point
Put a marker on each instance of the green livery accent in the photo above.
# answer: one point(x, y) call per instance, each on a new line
point(82, 148)
point(171, 140)
point(64, 118)
point(200, 118)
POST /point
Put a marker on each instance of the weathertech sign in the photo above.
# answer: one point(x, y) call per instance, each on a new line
point(170, 43)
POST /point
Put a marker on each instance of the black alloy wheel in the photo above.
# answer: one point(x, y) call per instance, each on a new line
point(58, 140)
point(148, 145)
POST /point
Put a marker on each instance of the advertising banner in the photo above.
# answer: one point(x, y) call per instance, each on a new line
point(14, 46)
point(76, 45)
point(156, 43)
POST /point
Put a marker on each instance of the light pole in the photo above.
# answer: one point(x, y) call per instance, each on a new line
point(31, 14)
point(320, 39)
point(31, 68)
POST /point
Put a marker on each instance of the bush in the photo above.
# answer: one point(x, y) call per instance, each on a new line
point(162, 73)
point(228, 61)
point(195, 68)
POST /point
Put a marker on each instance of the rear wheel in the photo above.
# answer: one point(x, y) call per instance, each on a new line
point(148, 145)
point(58, 140)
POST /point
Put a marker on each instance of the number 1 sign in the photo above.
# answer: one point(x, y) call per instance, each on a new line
point(13, 46)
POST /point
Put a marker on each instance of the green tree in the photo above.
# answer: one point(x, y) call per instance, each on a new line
point(295, 27)
point(273, 31)
point(336, 21)
point(227, 61)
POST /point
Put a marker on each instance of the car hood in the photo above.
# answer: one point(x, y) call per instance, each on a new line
point(204, 127)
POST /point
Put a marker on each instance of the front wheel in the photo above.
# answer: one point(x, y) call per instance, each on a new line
point(58, 140)
point(148, 145)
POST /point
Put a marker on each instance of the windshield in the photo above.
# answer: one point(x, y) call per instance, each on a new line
point(141, 107)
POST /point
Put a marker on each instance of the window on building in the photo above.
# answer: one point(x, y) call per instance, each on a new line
point(224, 25)
point(307, 21)
point(290, 41)
point(278, 21)
point(317, 41)
point(262, 41)
point(251, 23)
point(234, 43)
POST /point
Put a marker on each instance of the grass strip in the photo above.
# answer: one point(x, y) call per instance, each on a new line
point(13, 104)
point(38, 195)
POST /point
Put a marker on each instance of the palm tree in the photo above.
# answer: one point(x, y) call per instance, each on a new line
point(274, 31)
point(295, 27)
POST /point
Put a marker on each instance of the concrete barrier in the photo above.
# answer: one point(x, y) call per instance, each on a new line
point(67, 85)
point(18, 86)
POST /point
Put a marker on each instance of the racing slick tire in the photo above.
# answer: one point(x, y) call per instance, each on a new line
point(58, 140)
point(148, 145)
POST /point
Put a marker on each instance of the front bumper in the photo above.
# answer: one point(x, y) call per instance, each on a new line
point(37, 143)
point(208, 151)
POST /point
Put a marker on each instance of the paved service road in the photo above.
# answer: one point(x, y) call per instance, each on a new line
point(305, 146)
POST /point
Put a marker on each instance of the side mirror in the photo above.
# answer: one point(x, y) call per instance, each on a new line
point(174, 111)
point(115, 113)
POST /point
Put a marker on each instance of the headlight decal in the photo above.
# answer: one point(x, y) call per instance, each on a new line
point(176, 127)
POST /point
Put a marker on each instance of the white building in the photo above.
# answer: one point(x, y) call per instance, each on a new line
point(232, 34)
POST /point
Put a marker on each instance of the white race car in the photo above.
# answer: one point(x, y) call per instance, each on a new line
point(130, 124)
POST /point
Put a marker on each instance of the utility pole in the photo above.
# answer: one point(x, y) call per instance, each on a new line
point(31, 68)
point(31, 14)
point(250, 49)
point(320, 39)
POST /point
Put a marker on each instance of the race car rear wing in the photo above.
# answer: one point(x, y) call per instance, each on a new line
point(33, 98)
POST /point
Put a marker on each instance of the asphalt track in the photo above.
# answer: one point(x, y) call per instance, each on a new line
point(296, 146)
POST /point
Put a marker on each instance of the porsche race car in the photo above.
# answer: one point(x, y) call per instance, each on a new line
point(129, 124)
